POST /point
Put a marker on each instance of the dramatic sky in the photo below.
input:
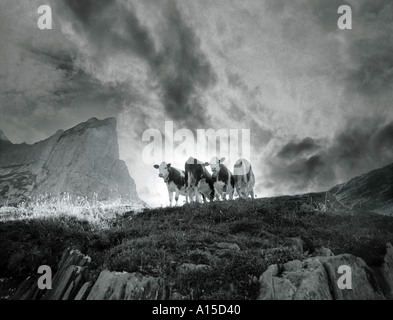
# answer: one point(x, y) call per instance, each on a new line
point(316, 99)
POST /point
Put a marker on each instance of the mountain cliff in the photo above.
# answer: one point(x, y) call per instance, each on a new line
point(82, 161)
point(372, 191)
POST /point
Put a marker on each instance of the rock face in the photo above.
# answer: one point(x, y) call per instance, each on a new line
point(68, 282)
point(371, 191)
point(82, 162)
point(317, 278)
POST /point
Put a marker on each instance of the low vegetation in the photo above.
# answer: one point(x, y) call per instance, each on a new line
point(160, 242)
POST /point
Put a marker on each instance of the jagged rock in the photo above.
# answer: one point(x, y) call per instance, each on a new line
point(27, 290)
point(273, 287)
point(364, 282)
point(84, 291)
point(384, 273)
point(312, 282)
point(126, 286)
point(80, 162)
point(266, 291)
point(69, 277)
point(317, 278)
point(65, 283)
point(299, 281)
point(283, 289)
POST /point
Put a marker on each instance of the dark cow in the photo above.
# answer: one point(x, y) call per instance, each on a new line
point(244, 178)
point(223, 180)
point(174, 179)
point(198, 179)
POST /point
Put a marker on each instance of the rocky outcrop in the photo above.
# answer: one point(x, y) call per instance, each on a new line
point(80, 162)
point(71, 275)
point(314, 278)
point(384, 272)
point(317, 278)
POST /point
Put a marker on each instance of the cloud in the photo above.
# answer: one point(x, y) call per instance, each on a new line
point(364, 145)
point(180, 68)
point(369, 44)
point(293, 149)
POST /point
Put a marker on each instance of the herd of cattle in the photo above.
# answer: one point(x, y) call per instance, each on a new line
point(196, 181)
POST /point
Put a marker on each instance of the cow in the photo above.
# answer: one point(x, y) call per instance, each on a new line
point(198, 179)
point(244, 178)
point(223, 180)
point(174, 180)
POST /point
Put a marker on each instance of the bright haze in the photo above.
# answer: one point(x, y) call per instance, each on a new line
point(316, 99)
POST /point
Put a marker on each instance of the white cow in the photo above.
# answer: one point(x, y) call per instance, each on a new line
point(174, 180)
point(244, 178)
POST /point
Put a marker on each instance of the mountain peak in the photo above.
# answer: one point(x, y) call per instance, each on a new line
point(3, 136)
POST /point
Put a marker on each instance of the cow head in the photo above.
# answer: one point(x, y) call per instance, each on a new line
point(215, 164)
point(163, 170)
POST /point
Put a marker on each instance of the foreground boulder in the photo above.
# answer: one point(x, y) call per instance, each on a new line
point(317, 278)
point(364, 282)
point(384, 272)
point(71, 274)
point(126, 286)
point(298, 281)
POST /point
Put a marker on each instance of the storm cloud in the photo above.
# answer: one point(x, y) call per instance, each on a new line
point(363, 146)
point(293, 149)
point(370, 42)
point(180, 67)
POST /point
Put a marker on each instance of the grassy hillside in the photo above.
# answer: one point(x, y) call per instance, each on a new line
point(159, 241)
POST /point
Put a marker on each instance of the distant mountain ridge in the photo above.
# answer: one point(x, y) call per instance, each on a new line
point(371, 191)
point(82, 161)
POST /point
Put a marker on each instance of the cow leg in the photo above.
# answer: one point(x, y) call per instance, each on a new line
point(252, 193)
point(224, 196)
point(170, 198)
point(177, 196)
point(230, 192)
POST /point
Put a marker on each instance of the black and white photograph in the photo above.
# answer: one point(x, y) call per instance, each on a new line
point(196, 154)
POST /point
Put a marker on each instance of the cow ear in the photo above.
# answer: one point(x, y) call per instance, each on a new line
point(206, 164)
point(156, 166)
point(222, 159)
point(168, 165)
